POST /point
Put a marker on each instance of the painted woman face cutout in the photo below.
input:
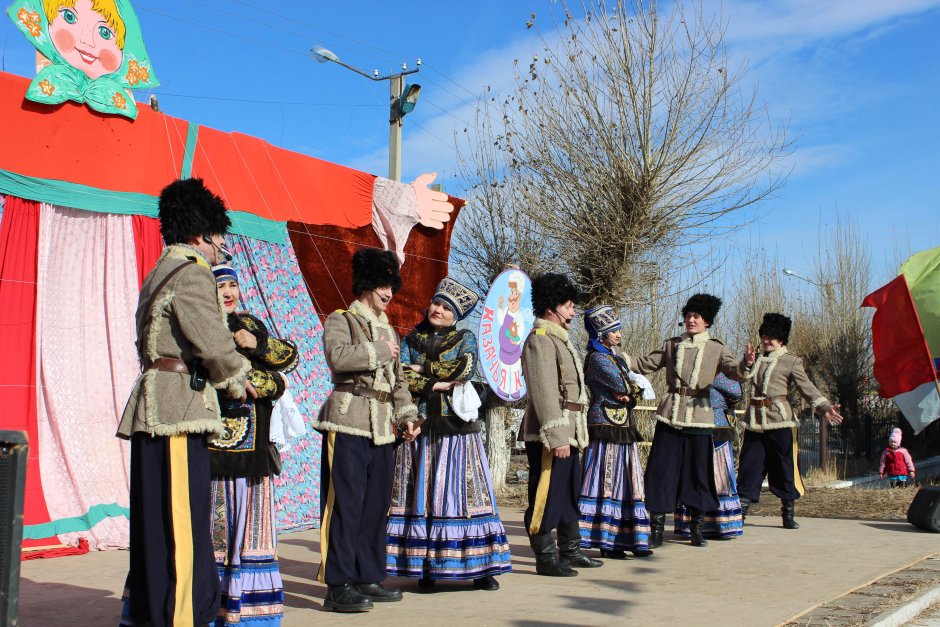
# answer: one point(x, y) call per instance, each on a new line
point(85, 39)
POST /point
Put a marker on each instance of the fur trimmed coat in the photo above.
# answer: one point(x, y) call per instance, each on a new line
point(550, 363)
point(691, 362)
point(186, 321)
point(770, 379)
point(354, 343)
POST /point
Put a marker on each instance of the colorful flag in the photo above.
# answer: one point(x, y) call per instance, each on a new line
point(905, 360)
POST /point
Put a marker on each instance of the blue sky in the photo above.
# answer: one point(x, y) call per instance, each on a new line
point(859, 81)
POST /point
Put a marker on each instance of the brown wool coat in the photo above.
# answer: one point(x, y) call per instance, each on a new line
point(547, 356)
point(770, 378)
point(185, 321)
point(357, 355)
point(693, 362)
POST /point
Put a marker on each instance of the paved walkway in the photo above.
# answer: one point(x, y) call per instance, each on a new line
point(763, 578)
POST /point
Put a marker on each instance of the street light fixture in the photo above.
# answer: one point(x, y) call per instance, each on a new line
point(402, 102)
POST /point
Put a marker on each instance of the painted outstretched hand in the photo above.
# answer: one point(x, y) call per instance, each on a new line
point(433, 207)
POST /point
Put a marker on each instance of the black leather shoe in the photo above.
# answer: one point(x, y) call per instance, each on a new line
point(425, 584)
point(486, 583)
point(642, 552)
point(613, 554)
point(346, 599)
point(378, 594)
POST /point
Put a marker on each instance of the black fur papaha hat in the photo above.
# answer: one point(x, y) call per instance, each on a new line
point(704, 305)
point(188, 210)
point(373, 268)
point(776, 326)
point(550, 290)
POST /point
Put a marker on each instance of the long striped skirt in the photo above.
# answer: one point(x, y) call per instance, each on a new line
point(443, 522)
point(613, 511)
point(726, 522)
point(244, 539)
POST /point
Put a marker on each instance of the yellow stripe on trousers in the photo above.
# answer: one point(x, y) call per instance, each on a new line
point(182, 522)
point(328, 511)
point(541, 493)
point(797, 479)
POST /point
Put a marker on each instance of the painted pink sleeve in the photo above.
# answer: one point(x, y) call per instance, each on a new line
point(881, 466)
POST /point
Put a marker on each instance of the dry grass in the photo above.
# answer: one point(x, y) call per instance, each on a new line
point(851, 503)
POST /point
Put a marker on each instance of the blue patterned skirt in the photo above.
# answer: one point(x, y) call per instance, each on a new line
point(726, 522)
point(613, 511)
point(443, 522)
point(245, 544)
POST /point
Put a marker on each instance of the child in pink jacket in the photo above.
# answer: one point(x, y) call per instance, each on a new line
point(896, 462)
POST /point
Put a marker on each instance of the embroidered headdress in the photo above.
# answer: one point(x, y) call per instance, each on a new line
point(459, 298)
point(224, 272)
point(600, 320)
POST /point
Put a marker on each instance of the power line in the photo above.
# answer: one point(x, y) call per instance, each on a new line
point(279, 102)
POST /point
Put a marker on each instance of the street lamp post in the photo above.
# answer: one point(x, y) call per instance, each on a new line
point(401, 102)
point(824, 423)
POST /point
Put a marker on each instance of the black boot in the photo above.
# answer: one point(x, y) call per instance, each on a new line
point(787, 510)
point(696, 523)
point(346, 599)
point(745, 506)
point(569, 547)
point(657, 525)
point(486, 583)
point(546, 557)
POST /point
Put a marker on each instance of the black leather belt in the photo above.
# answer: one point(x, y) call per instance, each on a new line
point(357, 389)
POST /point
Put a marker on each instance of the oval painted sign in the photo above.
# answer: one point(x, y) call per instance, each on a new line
point(506, 322)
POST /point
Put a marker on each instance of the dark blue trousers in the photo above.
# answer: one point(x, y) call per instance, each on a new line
point(172, 577)
point(681, 469)
point(356, 491)
point(771, 454)
point(554, 484)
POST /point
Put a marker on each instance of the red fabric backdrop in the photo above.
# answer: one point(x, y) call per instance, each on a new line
point(149, 244)
point(324, 254)
point(19, 236)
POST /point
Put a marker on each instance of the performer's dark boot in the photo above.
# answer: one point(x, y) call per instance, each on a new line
point(657, 526)
point(346, 598)
point(745, 506)
point(696, 525)
point(787, 510)
point(547, 563)
point(569, 547)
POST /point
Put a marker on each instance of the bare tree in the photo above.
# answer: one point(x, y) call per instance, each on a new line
point(627, 140)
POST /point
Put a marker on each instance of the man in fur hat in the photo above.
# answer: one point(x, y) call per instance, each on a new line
point(554, 429)
point(187, 353)
point(770, 443)
point(680, 469)
point(369, 405)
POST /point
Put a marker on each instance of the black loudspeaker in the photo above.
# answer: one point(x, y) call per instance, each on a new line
point(924, 511)
point(13, 450)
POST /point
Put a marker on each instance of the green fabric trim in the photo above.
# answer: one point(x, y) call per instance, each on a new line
point(95, 515)
point(125, 203)
point(192, 135)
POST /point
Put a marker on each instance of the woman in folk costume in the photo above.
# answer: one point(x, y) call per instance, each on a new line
point(726, 522)
point(681, 467)
point(244, 462)
point(443, 522)
point(770, 444)
point(613, 514)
